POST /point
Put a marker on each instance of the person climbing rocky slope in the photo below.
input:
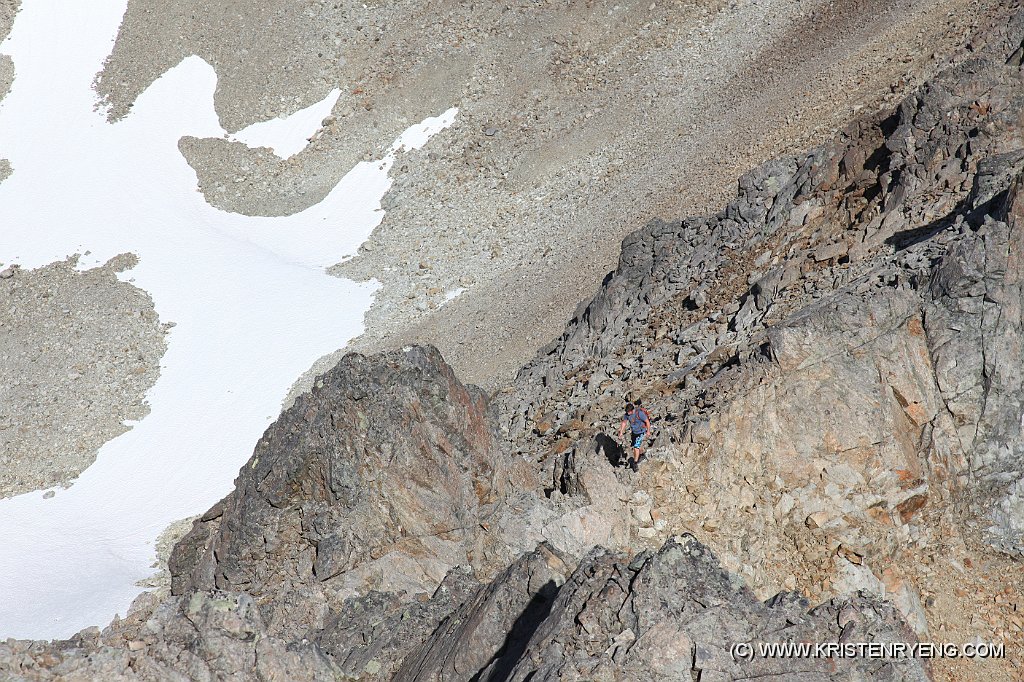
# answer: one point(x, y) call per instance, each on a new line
point(356, 546)
point(833, 364)
point(835, 360)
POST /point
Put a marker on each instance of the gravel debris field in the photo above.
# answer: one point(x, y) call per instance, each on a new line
point(78, 351)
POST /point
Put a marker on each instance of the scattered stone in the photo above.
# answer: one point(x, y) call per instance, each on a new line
point(67, 383)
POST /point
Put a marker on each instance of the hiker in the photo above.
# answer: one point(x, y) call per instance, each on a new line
point(639, 423)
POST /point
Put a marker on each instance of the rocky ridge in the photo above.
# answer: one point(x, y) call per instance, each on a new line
point(364, 541)
point(833, 363)
point(383, 477)
point(261, 591)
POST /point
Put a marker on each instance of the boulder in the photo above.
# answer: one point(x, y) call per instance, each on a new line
point(382, 477)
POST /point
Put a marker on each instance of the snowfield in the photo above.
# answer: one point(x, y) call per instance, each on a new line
point(250, 298)
point(288, 136)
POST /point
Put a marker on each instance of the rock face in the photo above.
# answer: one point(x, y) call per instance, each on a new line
point(253, 601)
point(489, 633)
point(976, 338)
point(833, 361)
point(675, 614)
point(382, 477)
point(666, 615)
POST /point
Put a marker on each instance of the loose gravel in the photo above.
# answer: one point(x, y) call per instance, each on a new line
point(526, 218)
point(529, 220)
point(578, 123)
point(78, 351)
point(8, 8)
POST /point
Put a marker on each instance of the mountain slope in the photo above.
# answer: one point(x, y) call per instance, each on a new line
point(833, 362)
point(578, 122)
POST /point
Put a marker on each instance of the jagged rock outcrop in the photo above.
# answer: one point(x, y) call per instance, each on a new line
point(675, 614)
point(383, 477)
point(976, 337)
point(489, 633)
point(250, 602)
point(370, 637)
point(666, 615)
point(359, 530)
point(834, 360)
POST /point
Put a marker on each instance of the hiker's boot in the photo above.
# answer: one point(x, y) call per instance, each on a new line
point(632, 465)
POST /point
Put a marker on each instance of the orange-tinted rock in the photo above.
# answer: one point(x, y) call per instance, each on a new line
point(909, 507)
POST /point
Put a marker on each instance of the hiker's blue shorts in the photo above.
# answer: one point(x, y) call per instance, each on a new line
point(638, 439)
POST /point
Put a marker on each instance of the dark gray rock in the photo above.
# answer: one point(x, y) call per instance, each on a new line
point(382, 477)
point(666, 615)
point(491, 630)
point(976, 337)
point(371, 637)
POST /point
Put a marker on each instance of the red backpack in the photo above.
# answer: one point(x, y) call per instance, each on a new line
point(639, 421)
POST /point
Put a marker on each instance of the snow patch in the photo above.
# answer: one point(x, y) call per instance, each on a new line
point(289, 135)
point(453, 294)
point(252, 304)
